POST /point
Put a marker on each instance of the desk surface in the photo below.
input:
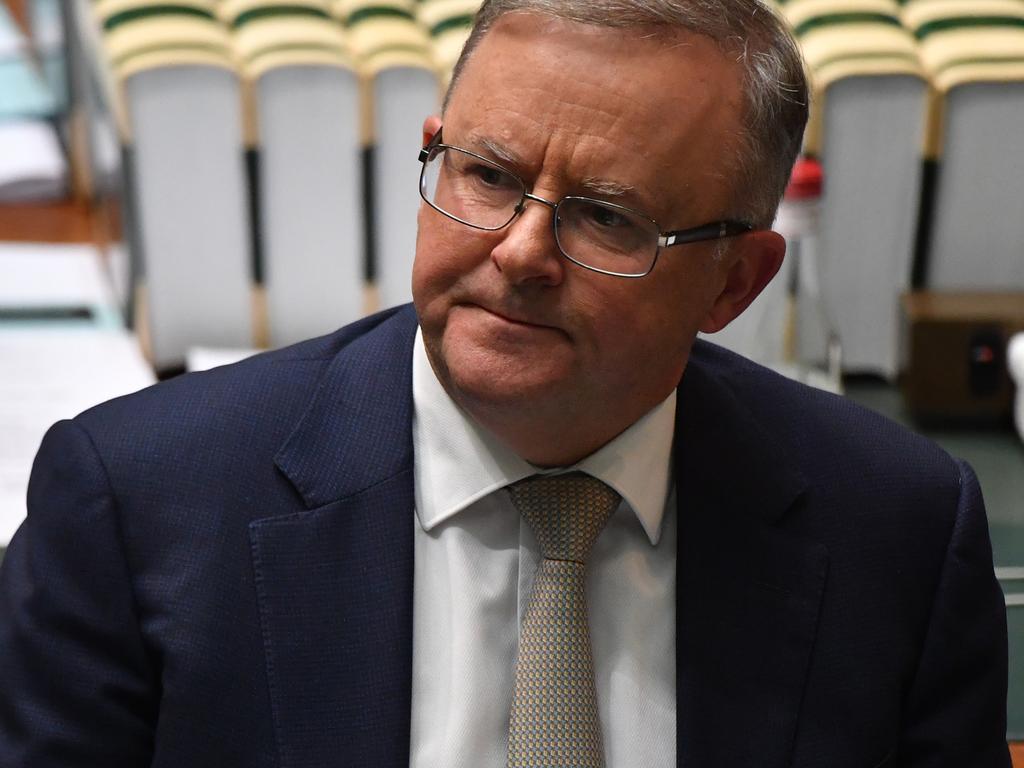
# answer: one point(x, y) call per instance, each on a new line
point(63, 222)
point(964, 306)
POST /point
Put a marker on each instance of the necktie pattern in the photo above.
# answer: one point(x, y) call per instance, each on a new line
point(554, 721)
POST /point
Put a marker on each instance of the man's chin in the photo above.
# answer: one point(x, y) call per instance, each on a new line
point(516, 390)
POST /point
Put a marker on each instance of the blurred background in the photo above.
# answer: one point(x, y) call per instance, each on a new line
point(187, 182)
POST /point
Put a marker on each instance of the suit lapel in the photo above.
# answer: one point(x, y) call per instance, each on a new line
point(334, 582)
point(748, 592)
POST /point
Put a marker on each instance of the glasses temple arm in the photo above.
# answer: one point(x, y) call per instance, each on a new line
point(713, 231)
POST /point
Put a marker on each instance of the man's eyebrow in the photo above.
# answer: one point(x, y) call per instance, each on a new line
point(622, 193)
point(499, 151)
point(605, 187)
point(591, 185)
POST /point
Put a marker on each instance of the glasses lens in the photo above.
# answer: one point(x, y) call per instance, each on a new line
point(469, 188)
point(606, 236)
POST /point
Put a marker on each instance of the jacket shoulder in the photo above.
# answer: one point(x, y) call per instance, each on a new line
point(833, 440)
point(212, 421)
point(244, 384)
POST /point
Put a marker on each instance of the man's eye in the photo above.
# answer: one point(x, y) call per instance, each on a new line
point(492, 177)
point(605, 217)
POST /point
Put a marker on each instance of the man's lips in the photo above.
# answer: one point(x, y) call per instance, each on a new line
point(515, 319)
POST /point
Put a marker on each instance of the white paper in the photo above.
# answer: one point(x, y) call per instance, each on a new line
point(46, 275)
point(47, 375)
point(32, 166)
point(52, 369)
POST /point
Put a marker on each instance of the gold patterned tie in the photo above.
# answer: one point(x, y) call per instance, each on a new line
point(554, 721)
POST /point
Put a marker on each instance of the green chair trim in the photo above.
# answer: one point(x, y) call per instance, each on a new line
point(967, 22)
point(829, 19)
point(376, 11)
point(464, 20)
point(148, 11)
point(856, 17)
point(271, 11)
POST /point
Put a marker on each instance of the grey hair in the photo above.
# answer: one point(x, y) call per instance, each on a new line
point(774, 81)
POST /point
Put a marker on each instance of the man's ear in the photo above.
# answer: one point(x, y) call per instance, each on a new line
point(751, 262)
point(431, 126)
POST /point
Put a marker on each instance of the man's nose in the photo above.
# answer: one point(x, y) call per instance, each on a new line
point(528, 252)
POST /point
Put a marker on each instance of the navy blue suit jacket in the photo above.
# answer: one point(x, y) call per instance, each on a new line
point(217, 571)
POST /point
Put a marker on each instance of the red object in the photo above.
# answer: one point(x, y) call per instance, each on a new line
point(805, 181)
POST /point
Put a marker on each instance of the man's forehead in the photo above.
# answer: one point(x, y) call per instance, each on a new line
point(537, 84)
point(536, 22)
point(632, 69)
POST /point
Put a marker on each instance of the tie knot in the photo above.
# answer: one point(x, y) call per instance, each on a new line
point(565, 512)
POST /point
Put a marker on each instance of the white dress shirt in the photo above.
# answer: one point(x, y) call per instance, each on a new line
point(475, 559)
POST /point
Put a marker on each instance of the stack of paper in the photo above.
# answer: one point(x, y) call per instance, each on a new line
point(61, 350)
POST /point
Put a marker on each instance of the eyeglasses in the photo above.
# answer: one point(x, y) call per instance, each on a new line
point(595, 234)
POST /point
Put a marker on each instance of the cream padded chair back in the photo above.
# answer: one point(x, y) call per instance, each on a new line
point(392, 53)
point(304, 107)
point(179, 109)
point(974, 52)
point(868, 108)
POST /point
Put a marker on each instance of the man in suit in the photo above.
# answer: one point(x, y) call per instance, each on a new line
point(316, 557)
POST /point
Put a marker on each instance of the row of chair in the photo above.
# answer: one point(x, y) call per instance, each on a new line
point(916, 115)
point(365, 34)
point(328, 99)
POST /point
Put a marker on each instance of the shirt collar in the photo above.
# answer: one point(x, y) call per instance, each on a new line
point(458, 461)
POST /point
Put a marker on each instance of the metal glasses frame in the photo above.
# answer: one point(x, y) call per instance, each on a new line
point(715, 230)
